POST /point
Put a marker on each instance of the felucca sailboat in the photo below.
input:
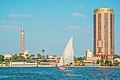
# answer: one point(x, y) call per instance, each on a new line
point(67, 58)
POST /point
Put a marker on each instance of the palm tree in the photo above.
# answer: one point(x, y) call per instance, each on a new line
point(47, 56)
point(32, 56)
point(75, 59)
point(43, 53)
point(14, 58)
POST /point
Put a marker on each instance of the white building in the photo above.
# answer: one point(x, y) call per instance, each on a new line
point(7, 56)
point(53, 57)
point(89, 53)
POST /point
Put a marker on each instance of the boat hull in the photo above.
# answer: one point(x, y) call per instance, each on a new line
point(62, 68)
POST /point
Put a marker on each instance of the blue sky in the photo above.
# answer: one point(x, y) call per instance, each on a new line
point(49, 24)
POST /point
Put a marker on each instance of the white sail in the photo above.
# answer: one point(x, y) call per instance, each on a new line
point(61, 61)
point(68, 54)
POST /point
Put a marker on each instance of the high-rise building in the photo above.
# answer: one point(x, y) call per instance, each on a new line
point(22, 40)
point(104, 33)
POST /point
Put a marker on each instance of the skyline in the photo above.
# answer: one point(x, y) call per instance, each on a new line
point(49, 25)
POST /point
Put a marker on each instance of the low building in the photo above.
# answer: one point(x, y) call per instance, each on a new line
point(3, 65)
point(44, 62)
point(7, 56)
point(90, 64)
point(53, 57)
point(53, 60)
point(49, 61)
point(90, 59)
point(22, 64)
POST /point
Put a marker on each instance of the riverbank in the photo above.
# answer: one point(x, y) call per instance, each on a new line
point(109, 66)
point(99, 66)
point(55, 66)
point(29, 66)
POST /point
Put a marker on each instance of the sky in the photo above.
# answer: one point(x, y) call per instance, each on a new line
point(49, 24)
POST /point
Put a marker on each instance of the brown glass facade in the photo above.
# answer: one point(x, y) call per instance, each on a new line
point(104, 32)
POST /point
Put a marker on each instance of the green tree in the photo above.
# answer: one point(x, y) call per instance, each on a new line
point(75, 59)
point(32, 56)
point(46, 56)
point(101, 62)
point(116, 56)
point(21, 58)
point(1, 58)
point(98, 61)
point(39, 56)
point(116, 63)
point(108, 62)
point(14, 58)
point(80, 59)
point(20, 54)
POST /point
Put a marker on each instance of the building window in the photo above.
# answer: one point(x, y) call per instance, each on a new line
point(94, 26)
point(106, 32)
point(95, 33)
point(111, 32)
point(99, 26)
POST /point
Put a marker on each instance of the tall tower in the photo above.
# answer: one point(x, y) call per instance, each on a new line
point(22, 40)
point(104, 33)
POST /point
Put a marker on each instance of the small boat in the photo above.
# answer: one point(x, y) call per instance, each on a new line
point(62, 68)
point(61, 62)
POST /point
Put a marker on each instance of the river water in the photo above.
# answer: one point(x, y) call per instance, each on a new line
point(52, 73)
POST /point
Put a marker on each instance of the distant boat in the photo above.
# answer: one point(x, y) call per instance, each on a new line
point(61, 64)
point(67, 58)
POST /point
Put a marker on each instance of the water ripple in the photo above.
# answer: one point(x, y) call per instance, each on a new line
point(52, 73)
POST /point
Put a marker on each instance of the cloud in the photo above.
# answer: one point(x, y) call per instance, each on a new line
point(73, 28)
point(19, 15)
point(81, 6)
point(8, 28)
point(80, 29)
point(9, 22)
point(78, 14)
point(9, 25)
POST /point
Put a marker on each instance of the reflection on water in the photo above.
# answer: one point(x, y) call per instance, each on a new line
point(44, 73)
